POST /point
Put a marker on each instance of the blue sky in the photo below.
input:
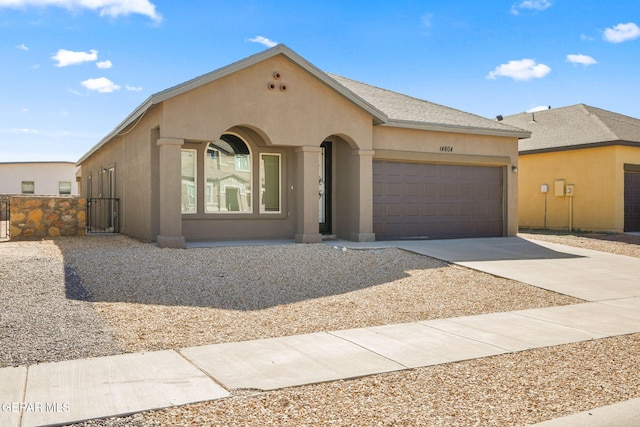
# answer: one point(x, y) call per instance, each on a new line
point(74, 69)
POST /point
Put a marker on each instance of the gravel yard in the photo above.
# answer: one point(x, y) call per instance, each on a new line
point(101, 295)
point(161, 298)
point(43, 316)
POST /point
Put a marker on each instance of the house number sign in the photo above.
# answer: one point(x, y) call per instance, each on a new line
point(446, 148)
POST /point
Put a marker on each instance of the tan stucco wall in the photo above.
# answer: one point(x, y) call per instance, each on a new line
point(131, 156)
point(598, 176)
point(305, 114)
point(412, 145)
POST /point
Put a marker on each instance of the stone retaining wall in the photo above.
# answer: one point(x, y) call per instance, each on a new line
point(41, 217)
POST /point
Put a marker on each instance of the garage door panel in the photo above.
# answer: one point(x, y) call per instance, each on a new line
point(437, 201)
point(466, 191)
point(394, 190)
point(393, 169)
point(414, 190)
point(631, 201)
point(448, 211)
point(430, 190)
point(378, 189)
point(413, 210)
point(449, 190)
point(395, 210)
point(429, 209)
point(413, 169)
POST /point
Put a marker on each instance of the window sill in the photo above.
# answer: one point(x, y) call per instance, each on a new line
point(233, 216)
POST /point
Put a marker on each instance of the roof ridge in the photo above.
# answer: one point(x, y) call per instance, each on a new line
point(613, 116)
point(598, 121)
point(409, 96)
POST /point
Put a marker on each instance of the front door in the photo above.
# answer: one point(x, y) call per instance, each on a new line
point(324, 190)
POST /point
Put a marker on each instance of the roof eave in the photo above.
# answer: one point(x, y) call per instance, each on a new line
point(378, 116)
point(137, 113)
point(440, 127)
point(580, 147)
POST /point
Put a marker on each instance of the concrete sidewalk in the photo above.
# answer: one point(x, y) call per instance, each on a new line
point(76, 390)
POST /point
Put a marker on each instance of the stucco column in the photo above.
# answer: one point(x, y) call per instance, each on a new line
point(307, 226)
point(170, 193)
point(364, 220)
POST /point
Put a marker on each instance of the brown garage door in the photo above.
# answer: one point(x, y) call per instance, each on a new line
point(632, 201)
point(417, 200)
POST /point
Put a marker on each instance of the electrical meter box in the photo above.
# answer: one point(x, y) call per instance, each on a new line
point(569, 190)
point(559, 188)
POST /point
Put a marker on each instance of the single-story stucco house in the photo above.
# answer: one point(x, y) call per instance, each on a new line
point(579, 170)
point(273, 147)
point(38, 178)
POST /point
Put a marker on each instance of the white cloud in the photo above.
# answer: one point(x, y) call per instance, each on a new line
point(112, 8)
point(20, 130)
point(103, 65)
point(621, 33)
point(22, 46)
point(523, 69)
point(133, 88)
point(538, 5)
point(581, 59)
point(101, 85)
point(68, 57)
point(427, 20)
point(263, 40)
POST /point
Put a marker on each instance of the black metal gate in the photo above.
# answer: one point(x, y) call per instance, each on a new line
point(103, 215)
point(4, 219)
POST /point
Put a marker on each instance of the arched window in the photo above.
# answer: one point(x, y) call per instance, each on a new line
point(227, 167)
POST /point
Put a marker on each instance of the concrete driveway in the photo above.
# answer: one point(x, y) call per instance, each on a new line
point(581, 273)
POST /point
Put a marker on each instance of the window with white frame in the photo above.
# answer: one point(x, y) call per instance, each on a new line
point(227, 169)
point(189, 201)
point(28, 187)
point(64, 187)
point(270, 183)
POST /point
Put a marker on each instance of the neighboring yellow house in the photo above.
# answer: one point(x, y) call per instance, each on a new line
point(580, 170)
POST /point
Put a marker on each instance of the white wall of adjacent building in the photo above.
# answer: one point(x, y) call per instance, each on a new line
point(42, 178)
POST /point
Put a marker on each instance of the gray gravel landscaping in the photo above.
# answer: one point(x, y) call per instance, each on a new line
point(81, 297)
point(44, 315)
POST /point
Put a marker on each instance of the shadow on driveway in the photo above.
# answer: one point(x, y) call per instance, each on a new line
point(467, 250)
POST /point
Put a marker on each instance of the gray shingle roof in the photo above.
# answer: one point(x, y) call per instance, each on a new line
point(406, 110)
point(573, 127)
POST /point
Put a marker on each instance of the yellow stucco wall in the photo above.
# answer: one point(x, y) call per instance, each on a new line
point(598, 176)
